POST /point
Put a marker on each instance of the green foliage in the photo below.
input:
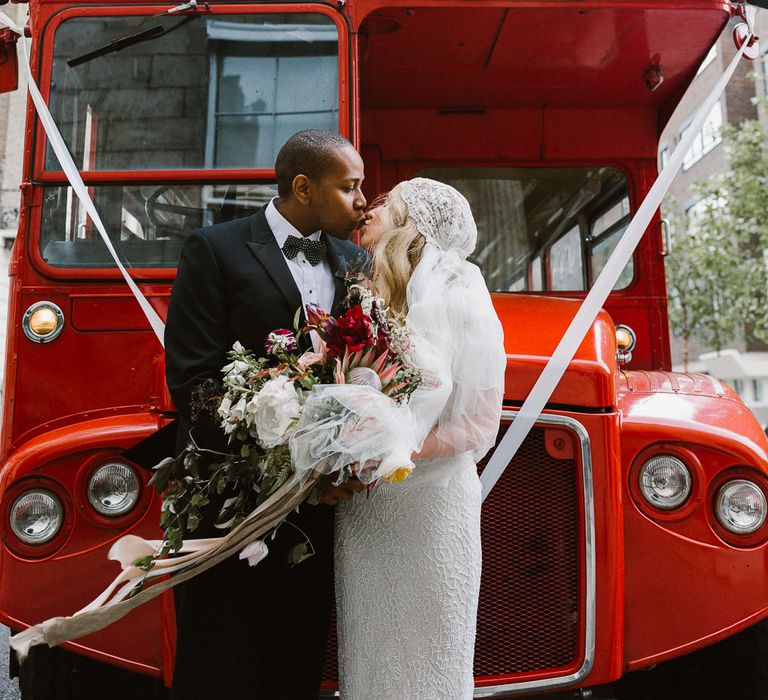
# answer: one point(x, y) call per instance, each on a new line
point(716, 273)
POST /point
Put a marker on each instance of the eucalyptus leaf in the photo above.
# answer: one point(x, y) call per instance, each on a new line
point(162, 475)
point(145, 563)
point(298, 553)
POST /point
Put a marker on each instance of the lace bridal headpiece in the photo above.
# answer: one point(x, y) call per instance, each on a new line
point(457, 339)
point(441, 214)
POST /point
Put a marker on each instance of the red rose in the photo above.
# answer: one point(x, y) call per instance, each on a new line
point(352, 332)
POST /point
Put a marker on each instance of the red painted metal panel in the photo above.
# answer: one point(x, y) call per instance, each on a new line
point(117, 312)
point(705, 587)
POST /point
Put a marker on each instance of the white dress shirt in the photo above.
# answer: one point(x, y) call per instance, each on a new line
point(315, 282)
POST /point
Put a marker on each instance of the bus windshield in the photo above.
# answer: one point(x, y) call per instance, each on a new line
point(539, 229)
point(197, 91)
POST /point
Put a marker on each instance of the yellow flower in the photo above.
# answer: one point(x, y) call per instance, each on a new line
point(398, 475)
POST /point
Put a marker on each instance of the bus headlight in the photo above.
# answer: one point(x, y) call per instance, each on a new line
point(665, 482)
point(113, 489)
point(42, 322)
point(37, 516)
point(741, 506)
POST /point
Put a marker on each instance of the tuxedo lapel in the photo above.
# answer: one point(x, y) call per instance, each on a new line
point(266, 250)
point(338, 265)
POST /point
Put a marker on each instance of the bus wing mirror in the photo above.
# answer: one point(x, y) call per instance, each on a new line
point(9, 61)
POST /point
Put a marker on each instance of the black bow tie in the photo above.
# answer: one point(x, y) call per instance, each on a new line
point(314, 251)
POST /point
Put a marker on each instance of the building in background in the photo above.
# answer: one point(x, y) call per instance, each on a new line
point(744, 368)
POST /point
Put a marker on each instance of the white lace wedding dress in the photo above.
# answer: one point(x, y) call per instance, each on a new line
point(408, 557)
point(407, 580)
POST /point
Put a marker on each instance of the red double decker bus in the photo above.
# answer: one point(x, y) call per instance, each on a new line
point(630, 527)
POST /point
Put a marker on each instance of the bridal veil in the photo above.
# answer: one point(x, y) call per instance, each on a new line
point(456, 343)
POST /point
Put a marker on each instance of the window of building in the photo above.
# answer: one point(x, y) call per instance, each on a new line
point(738, 385)
point(757, 388)
point(268, 83)
point(663, 156)
point(706, 139)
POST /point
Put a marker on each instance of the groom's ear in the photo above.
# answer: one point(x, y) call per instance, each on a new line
point(301, 187)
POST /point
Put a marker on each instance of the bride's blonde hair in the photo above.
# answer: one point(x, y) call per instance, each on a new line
point(396, 253)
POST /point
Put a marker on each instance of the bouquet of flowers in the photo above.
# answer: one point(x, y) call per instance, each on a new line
point(272, 405)
point(290, 417)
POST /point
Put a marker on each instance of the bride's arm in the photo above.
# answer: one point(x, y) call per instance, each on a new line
point(474, 432)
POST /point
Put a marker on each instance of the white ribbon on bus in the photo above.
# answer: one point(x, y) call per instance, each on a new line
point(556, 366)
point(73, 175)
point(558, 363)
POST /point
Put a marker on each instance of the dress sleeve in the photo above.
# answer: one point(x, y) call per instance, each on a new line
point(459, 347)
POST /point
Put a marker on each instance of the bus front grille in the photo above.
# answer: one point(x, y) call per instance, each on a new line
point(531, 610)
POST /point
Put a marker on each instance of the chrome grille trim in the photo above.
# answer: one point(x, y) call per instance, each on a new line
point(590, 600)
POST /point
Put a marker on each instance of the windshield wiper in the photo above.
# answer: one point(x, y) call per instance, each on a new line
point(137, 36)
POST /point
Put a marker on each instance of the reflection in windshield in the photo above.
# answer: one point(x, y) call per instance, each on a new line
point(220, 91)
point(543, 229)
point(147, 223)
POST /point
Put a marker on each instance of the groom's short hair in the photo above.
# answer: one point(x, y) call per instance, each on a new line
point(311, 152)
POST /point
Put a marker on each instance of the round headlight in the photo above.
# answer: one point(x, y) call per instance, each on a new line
point(42, 322)
point(36, 516)
point(113, 489)
point(741, 506)
point(665, 482)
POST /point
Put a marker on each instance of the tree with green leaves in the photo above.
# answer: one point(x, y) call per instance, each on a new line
point(716, 274)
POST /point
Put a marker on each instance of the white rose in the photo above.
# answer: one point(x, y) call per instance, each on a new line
point(276, 409)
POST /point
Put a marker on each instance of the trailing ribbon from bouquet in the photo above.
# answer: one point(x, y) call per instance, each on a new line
point(294, 418)
point(121, 596)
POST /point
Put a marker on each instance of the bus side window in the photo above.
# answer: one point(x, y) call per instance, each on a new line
point(536, 281)
point(605, 232)
point(565, 262)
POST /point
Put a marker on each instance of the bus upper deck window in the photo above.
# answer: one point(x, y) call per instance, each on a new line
point(214, 91)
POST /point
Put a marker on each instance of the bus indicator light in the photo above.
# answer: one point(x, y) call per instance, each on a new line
point(43, 322)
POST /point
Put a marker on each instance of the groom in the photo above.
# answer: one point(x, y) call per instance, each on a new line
point(260, 632)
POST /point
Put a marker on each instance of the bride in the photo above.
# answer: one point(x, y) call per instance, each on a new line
point(408, 555)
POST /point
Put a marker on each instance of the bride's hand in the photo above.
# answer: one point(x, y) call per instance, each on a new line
point(331, 495)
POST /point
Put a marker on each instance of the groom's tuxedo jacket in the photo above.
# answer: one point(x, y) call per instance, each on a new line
point(245, 632)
